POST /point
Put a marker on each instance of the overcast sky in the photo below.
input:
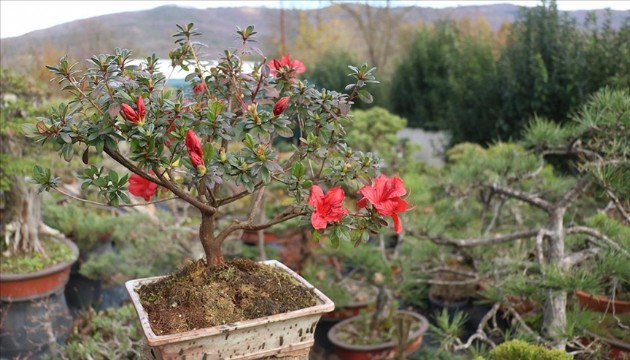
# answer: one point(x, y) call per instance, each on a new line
point(18, 17)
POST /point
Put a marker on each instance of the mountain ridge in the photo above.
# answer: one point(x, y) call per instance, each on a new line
point(151, 30)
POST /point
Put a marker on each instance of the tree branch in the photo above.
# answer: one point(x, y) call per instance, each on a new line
point(579, 257)
point(596, 234)
point(248, 225)
point(242, 194)
point(574, 192)
point(496, 239)
point(525, 197)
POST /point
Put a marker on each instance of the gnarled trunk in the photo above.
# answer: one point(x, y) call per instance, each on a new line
point(21, 217)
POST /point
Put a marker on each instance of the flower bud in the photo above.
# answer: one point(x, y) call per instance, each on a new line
point(129, 113)
point(141, 111)
point(281, 105)
point(194, 149)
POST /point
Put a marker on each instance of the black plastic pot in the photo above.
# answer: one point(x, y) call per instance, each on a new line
point(82, 293)
point(321, 335)
point(29, 326)
point(436, 306)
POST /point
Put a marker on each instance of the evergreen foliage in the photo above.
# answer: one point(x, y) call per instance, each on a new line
point(465, 81)
point(518, 349)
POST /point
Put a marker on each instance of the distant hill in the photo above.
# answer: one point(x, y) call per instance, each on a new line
point(152, 29)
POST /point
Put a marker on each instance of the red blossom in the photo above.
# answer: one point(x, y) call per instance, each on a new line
point(293, 66)
point(195, 151)
point(199, 88)
point(328, 207)
point(385, 195)
point(142, 187)
point(281, 105)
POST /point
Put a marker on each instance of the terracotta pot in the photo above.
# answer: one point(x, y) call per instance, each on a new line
point(51, 280)
point(35, 315)
point(283, 335)
point(601, 303)
point(382, 351)
point(619, 350)
point(353, 309)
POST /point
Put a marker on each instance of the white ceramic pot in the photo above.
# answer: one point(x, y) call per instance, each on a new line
point(287, 335)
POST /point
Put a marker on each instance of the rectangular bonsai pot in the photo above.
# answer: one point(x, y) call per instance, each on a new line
point(283, 335)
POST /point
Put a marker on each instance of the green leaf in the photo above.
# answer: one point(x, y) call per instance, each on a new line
point(65, 137)
point(248, 141)
point(317, 235)
point(334, 239)
point(298, 169)
point(365, 96)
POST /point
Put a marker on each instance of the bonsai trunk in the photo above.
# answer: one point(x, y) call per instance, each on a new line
point(554, 314)
point(211, 244)
point(21, 216)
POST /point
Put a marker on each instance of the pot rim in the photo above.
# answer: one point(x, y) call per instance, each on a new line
point(600, 298)
point(48, 270)
point(332, 333)
point(615, 342)
point(324, 305)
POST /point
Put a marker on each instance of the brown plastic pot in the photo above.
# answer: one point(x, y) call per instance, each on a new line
point(289, 334)
point(382, 351)
point(601, 303)
point(51, 280)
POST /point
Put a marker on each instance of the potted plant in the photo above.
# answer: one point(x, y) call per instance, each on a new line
point(35, 259)
point(386, 333)
point(197, 145)
point(612, 291)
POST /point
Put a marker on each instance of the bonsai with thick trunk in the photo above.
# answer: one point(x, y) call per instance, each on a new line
point(550, 213)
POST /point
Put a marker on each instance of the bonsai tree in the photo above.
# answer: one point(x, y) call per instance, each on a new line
point(22, 230)
point(213, 144)
point(531, 212)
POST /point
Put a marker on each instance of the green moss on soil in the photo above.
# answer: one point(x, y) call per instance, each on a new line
point(57, 252)
point(241, 289)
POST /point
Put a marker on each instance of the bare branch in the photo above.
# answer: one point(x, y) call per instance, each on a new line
point(596, 234)
point(618, 205)
point(104, 204)
point(480, 334)
point(238, 196)
point(496, 239)
point(579, 257)
point(523, 196)
point(574, 192)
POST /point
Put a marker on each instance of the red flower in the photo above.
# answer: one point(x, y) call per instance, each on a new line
point(385, 195)
point(142, 187)
point(132, 115)
point(328, 207)
point(199, 88)
point(281, 105)
point(195, 152)
point(293, 66)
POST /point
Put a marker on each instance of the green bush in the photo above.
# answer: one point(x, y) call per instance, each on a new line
point(518, 349)
point(109, 334)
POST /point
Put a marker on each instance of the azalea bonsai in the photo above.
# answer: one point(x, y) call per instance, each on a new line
point(218, 134)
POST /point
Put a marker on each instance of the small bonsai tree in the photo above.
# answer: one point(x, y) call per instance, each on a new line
point(216, 146)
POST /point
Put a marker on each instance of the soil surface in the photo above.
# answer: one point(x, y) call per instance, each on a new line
point(241, 289)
